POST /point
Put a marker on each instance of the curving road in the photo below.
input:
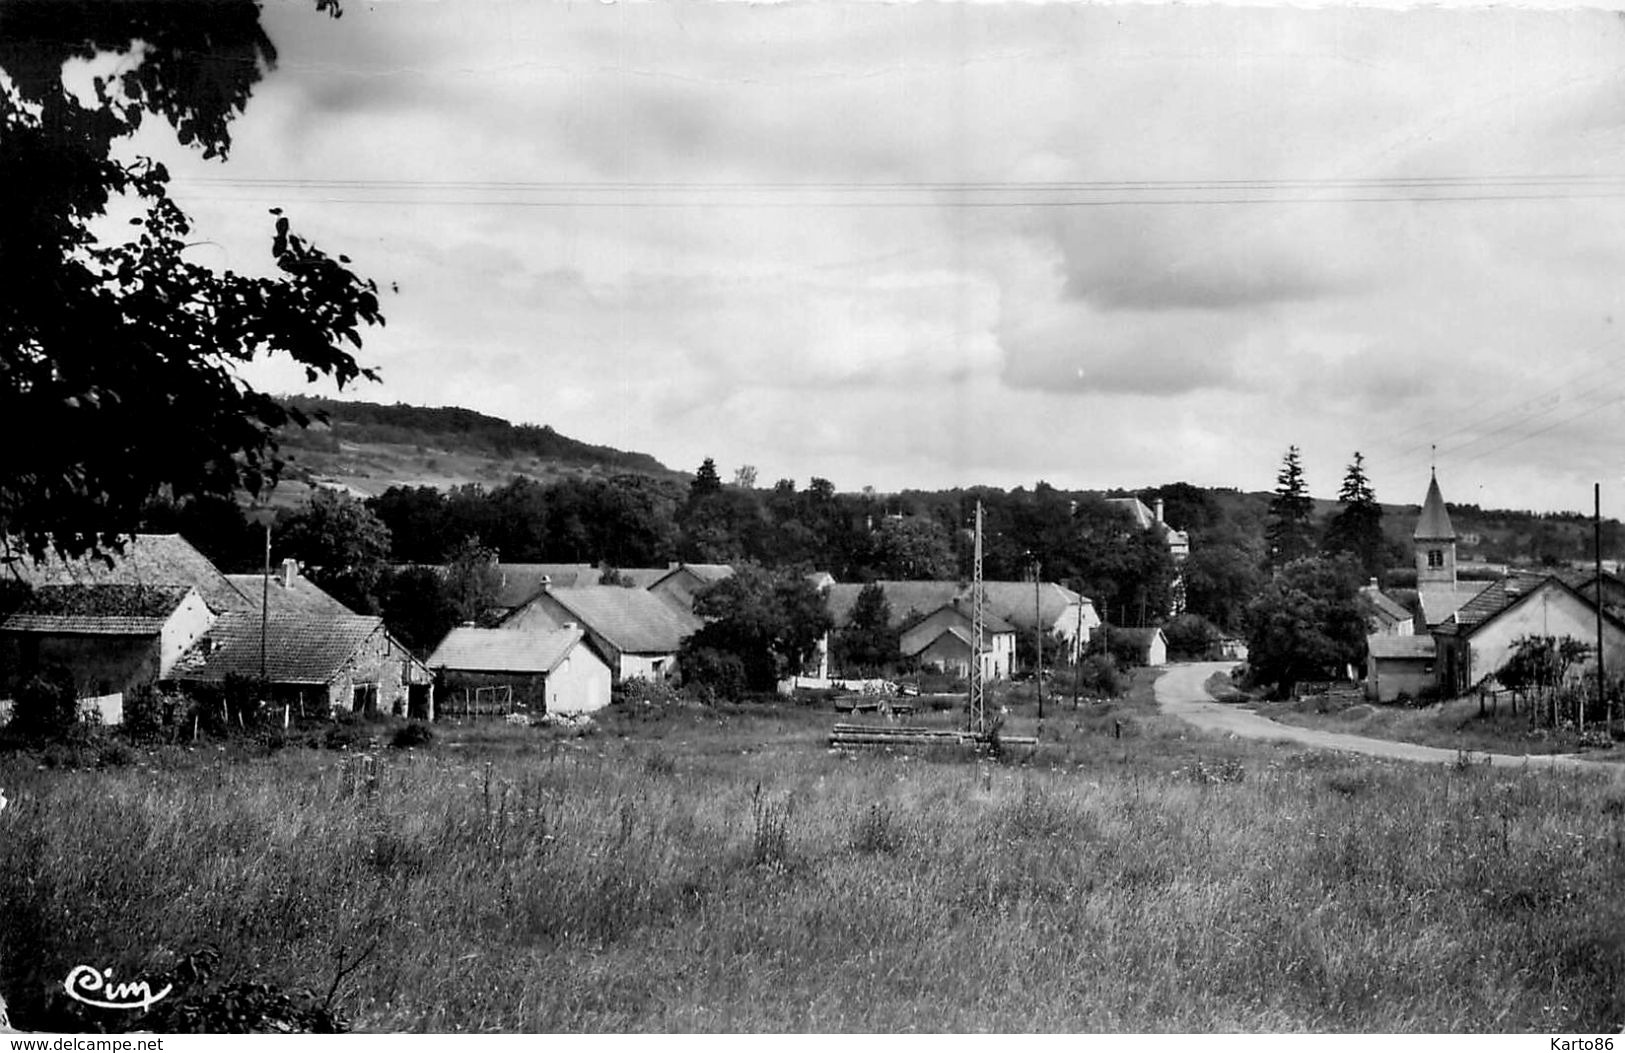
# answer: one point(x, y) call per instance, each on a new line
point(1181, 692)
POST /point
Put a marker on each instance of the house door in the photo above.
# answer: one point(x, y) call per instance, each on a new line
point(417, 702)
point(365, 698)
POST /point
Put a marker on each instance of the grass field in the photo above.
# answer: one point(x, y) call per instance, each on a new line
point(1456, 724)
point(691, 869)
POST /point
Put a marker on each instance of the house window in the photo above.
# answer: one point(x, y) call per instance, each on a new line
point(1435, 558)
point(364, 698)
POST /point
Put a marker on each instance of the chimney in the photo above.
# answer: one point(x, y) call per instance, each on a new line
point(1373, 583)
point(1159, 509)
point(547, 583)
point(290, 570)
point(569, 625)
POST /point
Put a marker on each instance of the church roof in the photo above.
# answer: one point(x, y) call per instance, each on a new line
point(1434, 522)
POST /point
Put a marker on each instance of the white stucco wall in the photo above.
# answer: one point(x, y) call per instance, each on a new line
point(579, 684)
point(190, 621)
point(1552, 611)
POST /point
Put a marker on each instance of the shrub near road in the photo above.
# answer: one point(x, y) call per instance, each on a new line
point(722, 870)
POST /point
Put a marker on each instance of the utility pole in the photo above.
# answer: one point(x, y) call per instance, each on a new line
point(1596, 527)
point(1077, 654)
point(265, 605)
point(1038, 630)
point(976, 715)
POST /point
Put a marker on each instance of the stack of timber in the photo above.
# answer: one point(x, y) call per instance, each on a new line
point(845, 736)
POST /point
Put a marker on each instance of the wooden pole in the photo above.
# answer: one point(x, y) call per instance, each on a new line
point(265, 604)
point(1038, 631)
point(1596, 527)
point(1077, 654)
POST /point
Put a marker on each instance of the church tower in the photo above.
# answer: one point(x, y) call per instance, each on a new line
point(1435, 542)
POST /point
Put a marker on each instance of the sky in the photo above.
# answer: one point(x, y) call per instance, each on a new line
point(925, 245)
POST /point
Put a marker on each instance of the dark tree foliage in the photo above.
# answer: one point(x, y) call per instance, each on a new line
point(417, 521)
point(466, 429)
point(1356, 531)
point(1222, 575)
point(471, 581)
point(706, 480)
point(340, 542)
point(128, 348)
point(1185, 507)
point(214, 525)
point(418, 607)
point(1291, 533)
point(1306, 623)
point(1189, 636)
point(912, 548)
point(868, 644)
point(771, 621)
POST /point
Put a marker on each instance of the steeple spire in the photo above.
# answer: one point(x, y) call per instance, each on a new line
point(1435, 541)
point(1434, 522)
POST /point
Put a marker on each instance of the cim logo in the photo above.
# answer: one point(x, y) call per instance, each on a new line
point(95, 987)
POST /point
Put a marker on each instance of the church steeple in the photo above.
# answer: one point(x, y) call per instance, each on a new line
point(1435, 541)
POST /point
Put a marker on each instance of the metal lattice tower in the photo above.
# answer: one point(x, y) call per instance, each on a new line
point(977, 717)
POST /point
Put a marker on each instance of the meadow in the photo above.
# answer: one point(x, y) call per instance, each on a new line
point(691, 869)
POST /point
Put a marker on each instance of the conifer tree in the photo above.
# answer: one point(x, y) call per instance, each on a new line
point(1357, 529)
point(1291, 534)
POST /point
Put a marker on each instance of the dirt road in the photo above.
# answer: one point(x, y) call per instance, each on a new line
point(1180, 691)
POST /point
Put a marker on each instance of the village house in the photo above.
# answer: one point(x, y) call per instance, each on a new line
point(684, 581)
point(637, 633)
point(942, 640)
point(1385, 615)
point(1178, 542)
point(316, 664)
point(1150, 646)
point(287, 591)
point(1483, 634)
point(1053, 609)
point(146, 559)
point(1398, 667)
point(112, 639)
point(544, 671)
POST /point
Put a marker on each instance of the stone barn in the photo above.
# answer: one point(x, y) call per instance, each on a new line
point(544, 671)
point(317, 664)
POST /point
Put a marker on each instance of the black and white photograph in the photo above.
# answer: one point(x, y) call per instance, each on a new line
point(809, 517)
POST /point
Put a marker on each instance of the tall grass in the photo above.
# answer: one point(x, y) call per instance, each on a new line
point(724, 877)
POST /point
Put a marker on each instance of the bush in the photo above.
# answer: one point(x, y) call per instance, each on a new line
point(714, 675)
point(1099, 675)
point(47, 705)
point(1190, 636)
point(412, 735)
point(642, 691)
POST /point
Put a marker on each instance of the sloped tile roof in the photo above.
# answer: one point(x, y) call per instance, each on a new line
point(1142, 637)
point(147, 559)
point(518, 582)
point(1497, 596)
point(1386, 645)
point(1011, 601)
point(954, 632)
point(299, 648)
point(1383, 604)
point(642, 577)
point(630, 620)
point(98, 610)
point(1137, 509)
point(303, 596)
point(1440, 602)
point(1434, 522)
point(504, 650)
